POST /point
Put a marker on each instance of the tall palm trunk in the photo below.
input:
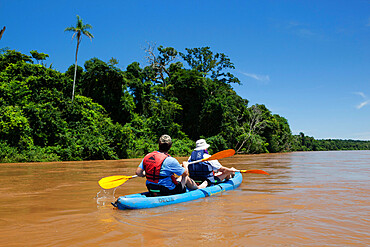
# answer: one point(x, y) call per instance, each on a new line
point(75, 75)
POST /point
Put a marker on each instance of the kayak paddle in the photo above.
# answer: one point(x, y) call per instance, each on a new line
point(217, 156)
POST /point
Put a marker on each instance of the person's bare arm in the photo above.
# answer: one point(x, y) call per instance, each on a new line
point(185, 165)
point(226, 169)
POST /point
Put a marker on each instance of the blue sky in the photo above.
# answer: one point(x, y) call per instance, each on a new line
point(308, 61)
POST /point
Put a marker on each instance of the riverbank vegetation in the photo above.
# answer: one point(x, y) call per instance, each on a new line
point(118, 114)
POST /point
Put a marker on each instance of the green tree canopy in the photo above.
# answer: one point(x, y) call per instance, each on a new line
point(120, 114)
point(39, 56)
point(205, 61)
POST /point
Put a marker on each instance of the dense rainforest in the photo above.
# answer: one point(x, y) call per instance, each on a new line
point(120, 114)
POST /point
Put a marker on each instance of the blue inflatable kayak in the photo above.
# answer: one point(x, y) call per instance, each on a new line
point(139, 201)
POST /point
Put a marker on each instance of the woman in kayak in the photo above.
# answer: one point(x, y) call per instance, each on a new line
point(159, 168)
point(211, 171)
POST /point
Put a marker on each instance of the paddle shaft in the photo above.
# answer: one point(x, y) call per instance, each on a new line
point(216, 156)
point(197, 161)
point(253, 171)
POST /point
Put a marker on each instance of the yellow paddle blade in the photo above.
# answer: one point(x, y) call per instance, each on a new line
point(254, 171)
point(113, 181)
point(221, 155)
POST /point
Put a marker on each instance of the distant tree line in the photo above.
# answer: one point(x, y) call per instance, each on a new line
point(306, 143)
point(119, 113)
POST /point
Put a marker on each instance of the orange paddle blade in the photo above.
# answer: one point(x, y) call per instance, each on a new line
point(254, 171)
point(221, 155)
point(113, 181)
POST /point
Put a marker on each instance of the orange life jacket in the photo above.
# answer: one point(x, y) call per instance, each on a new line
point(152, 164)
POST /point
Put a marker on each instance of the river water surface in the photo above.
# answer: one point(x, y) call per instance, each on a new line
point(309, 199)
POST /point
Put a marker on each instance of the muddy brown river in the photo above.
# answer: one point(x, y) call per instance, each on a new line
point(309, 199)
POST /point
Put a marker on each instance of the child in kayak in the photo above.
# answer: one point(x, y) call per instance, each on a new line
point(211, 171)
point(159, 168)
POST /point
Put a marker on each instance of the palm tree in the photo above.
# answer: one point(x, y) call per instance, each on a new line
point(78, 30)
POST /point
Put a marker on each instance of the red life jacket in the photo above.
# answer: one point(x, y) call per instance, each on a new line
point(152, 164)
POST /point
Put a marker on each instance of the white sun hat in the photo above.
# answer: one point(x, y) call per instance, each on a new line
point(201, 144)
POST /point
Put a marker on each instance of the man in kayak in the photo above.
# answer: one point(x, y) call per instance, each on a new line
point(211, 171)
point(159, 168)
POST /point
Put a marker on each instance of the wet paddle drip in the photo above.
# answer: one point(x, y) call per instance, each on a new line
point(105, 197)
